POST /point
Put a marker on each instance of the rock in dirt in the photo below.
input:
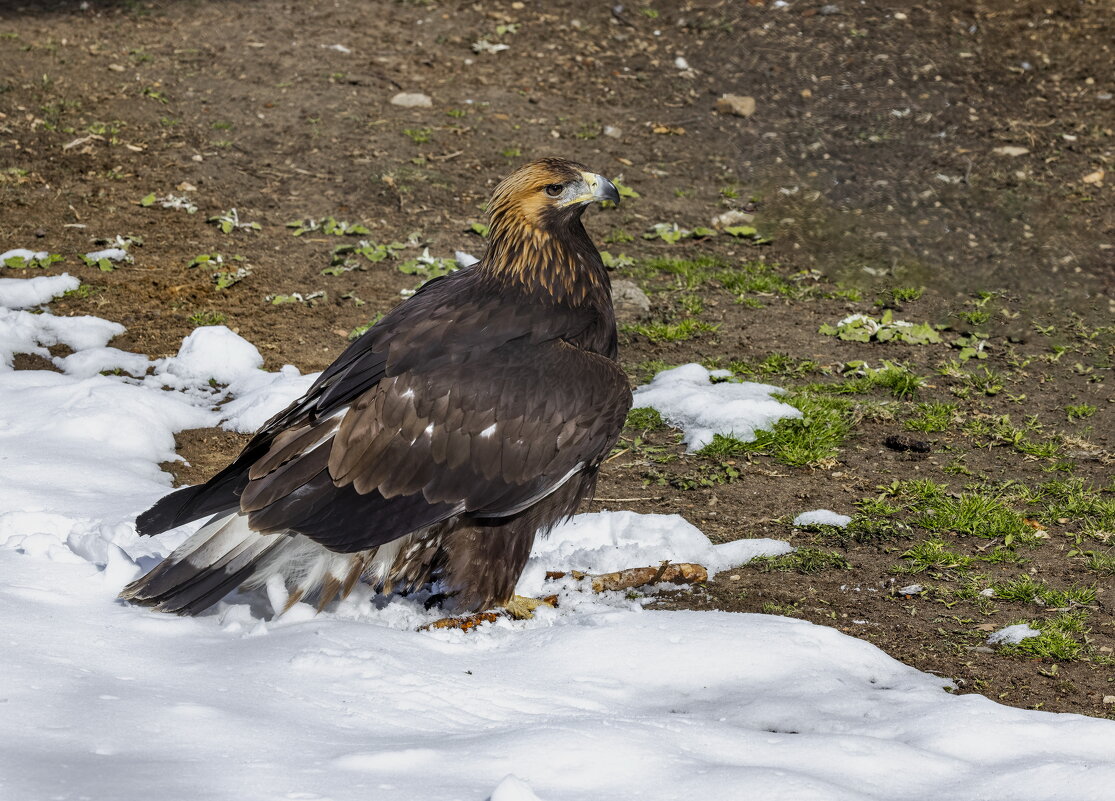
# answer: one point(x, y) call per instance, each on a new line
point(1010, 150)
point(739, 105)
point(412, 100)
point(903, 443)
point(630, 301)
point(732, 217)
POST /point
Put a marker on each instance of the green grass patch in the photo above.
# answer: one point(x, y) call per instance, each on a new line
point(774, 364)
point(671, 332)
point(803, 560)
point(932, 417)
point(1062, 638)
point(811, 439)
point(1080, 411)
point(1102, 563)
point(1026, 589)
point(975, 515)
point(207, 317)
point(644, 419)
point(933, 555)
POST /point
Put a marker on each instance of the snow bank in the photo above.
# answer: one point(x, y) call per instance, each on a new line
point(687, 399)
point(213, 352)
point(601, 542)
point(822, 517)
point(597, 699)
point(23, 293)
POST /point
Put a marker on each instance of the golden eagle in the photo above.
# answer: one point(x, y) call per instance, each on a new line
point(473, 416)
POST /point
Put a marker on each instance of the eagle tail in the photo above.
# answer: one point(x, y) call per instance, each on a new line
point(221, 556)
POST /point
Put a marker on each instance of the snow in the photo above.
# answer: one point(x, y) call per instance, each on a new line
point(23, 293)
point(214, 352)
point(23, 253)
point(112, 254)
point(822, 517)
point(687, 399)
point(1012, 635)
point(600, 698)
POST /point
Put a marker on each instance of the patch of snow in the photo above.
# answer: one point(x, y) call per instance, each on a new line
point(23, 253)
point(686, 398)
point(822, 517)
point(112, 254)
point(1012, 635)
point(257, 396)
point(213, 352)
point(602, 542)
point(92, 361)
point(464, 259)
point(600, 698)
point(23, 293)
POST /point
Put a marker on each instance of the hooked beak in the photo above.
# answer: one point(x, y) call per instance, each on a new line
point(599, 189)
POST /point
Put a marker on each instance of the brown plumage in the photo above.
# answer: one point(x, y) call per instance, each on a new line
point(473, 416)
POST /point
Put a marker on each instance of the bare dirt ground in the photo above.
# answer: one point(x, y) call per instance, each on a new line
point(947, 162)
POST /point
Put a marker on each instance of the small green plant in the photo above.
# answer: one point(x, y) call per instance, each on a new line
point(207, 317)
point(30, 260)
point(906, 294)
point(479, 228)
point(1102, 563)
point(975, 515)
point(1080, 411)
point(329, 226)
point(861, 328)
point(512, 152)
point(1025, 589)
point(229, 221)
point(357, 332)
point(672, 232)
point(615, 262)
point(419, 136)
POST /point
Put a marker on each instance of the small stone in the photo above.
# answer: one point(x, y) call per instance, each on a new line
point(197, 157)
point(911, 589)
point(412, 100)
point(1094, 178)
point(899, 15)
point(630, 301)
point(1109, 699)
point(829, 10)
point(116, 67)
point(733, 217)
point(681, 63)
point(739, 105)
point(903, 443)
point(613, 132)
point(1010, 150)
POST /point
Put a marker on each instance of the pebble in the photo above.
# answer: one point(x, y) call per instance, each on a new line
point(412, 100)
point(613, 131)
point(739, 105)
point(630, 301)
point(732, 217)
point(911, 589)
point(1010, 150)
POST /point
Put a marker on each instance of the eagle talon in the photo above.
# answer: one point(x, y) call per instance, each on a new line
point(520, 607)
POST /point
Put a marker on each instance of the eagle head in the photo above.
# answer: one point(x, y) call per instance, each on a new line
point(547, 195)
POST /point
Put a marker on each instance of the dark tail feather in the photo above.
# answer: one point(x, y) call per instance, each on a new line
point(219, 494)
point(220, 557)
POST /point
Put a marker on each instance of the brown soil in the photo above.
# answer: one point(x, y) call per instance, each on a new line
point(871, 158)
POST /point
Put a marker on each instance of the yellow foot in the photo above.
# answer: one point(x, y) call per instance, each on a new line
point(518, 608)
point(522, 608)
point(465, 623)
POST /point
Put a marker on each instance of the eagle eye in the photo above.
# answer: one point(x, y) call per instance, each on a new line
point(553, 190)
